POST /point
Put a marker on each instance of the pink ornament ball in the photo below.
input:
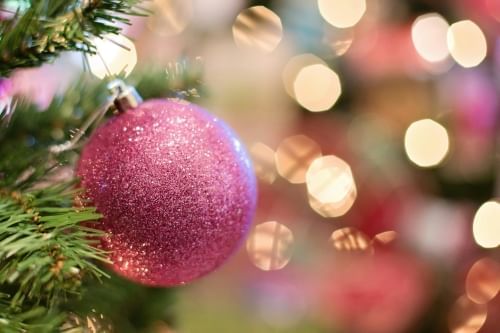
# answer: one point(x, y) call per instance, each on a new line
point(176, 189)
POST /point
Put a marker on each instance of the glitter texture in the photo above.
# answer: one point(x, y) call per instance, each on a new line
point(176, 189)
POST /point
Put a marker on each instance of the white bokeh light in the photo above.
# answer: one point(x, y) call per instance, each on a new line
point(342, 13)
point(426, 143)
point(115, 54)
point(317, 87)
point(429, 36)
point(486, 225)
point(330, 185)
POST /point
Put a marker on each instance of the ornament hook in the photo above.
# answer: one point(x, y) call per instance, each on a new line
point(123, 96)
point(126, 97)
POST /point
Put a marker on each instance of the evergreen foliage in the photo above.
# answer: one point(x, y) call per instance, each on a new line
point(48, 27)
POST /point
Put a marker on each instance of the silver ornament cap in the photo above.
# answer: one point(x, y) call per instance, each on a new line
point(127, 96)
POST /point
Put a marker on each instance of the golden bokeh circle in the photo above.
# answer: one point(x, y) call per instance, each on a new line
point(257, 28)
point(269, 246)
point(169, 17)
point(263, 162)
point(483, 280)
point(342, 13)
point(467, 316)
point(293, 67)
point(317, 88)
point(385, 237)
point(350, 240)
point(330, 185)
point(467, 43)
point(293, 157)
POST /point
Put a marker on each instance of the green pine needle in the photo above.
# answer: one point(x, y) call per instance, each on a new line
point(49, 27)
point(44, 249)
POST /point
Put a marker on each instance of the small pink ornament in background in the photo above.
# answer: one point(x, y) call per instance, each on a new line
point(5, 89)
point(386, 51)
point(383, 293)
point(176, 189)
point(6, 92)
point(56, 78)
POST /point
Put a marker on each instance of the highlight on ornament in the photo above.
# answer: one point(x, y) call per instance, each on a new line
point(293, 157)
point(330, 186)
point(486, 225)
point(270, 246)
point(258, 29)
point(426, 143)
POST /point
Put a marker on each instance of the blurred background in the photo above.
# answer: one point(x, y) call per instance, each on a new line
point(374, 130)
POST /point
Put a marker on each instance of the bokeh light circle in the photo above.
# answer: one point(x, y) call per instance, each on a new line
point(483, 280)
point(467, 43)
point(293, 157)
point(429, 36)
point(170, 17)
point(342, 13)
point(331, 186)
point(293, 67)
point(426, 143)
point(257, 28)
point(269, 246)
point(317, 87)
point(486, 225)
point(385, 237)
point(115, 54)
point(467, 316)
point(263, 162)
point(350, 240)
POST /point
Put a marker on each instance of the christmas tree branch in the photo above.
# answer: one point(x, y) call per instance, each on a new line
point(34, 319)
point(49, 27)
point(44, 249)
point(128, 306)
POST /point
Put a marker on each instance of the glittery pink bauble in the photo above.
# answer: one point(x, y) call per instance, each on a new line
point(175, 187)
